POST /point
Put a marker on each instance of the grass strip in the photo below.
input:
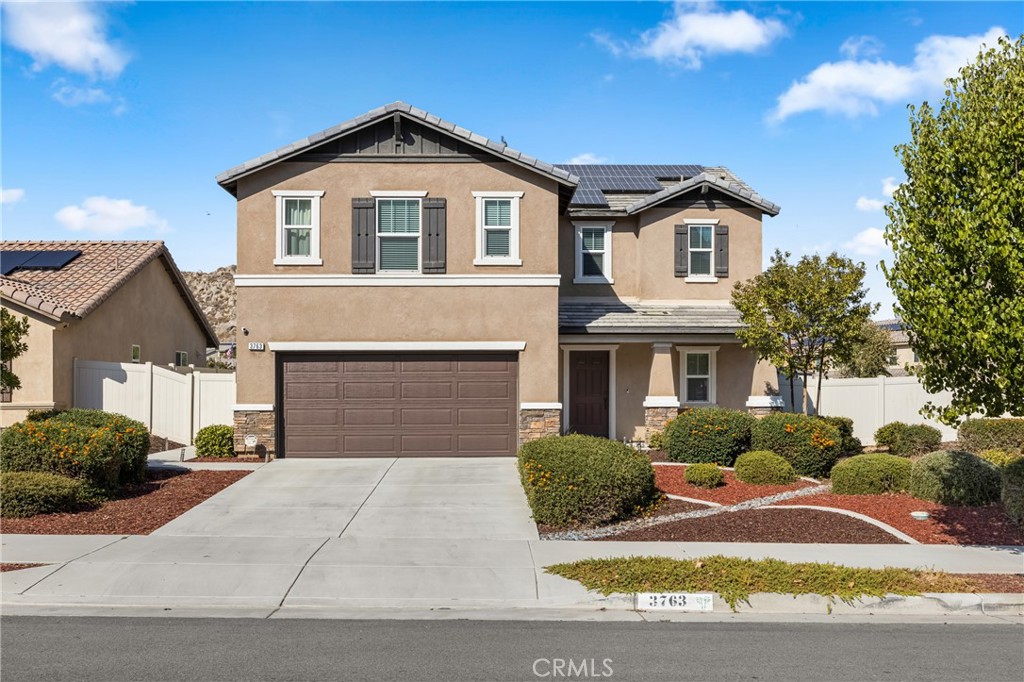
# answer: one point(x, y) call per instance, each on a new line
point(736, 579)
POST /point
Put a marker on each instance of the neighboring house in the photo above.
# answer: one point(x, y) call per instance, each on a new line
point(407, 287)
point(103, 301)
point(902, 354)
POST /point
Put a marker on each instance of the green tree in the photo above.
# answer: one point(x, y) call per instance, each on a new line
point(803, 317)
point(957, 235)
point(12, 333)
point(869, 355)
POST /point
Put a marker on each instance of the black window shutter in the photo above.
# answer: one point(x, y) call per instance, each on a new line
point(682, 250)
point(721, 251)
point(435, 235)
point(364, 236)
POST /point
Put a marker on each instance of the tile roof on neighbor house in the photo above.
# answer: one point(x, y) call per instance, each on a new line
point(80, 286)
point(592, 317)
point(897, 333)
point(228, 177)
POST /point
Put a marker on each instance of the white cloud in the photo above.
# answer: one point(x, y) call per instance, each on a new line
point(861, 46)
point(854, 87)
point(104, 215)
point(889, 186)
point(869, 242)
point(11, 196)
point(73, 96)
point(587, 158)
point(69, 34)
point(698, 30)
point(866, 204)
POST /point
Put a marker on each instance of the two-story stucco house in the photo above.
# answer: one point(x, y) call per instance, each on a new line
point(407, 287)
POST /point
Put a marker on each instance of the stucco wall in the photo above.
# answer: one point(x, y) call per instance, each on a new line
point(400, 314)
point(32, 368)
point(341, 182)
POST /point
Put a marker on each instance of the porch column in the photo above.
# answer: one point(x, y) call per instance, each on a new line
point(661, 403)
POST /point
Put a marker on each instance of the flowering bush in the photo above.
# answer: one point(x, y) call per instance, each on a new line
point(131, 438)
point(811, 445)
point(581, 481)
point(709, 434)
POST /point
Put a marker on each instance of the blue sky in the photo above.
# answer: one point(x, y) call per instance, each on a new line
point(116, 116)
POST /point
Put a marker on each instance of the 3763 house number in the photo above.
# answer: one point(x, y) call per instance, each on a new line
point(674, 601)
point(257, 346)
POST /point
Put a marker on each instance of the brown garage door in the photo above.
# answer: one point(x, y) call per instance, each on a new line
point(405, 405)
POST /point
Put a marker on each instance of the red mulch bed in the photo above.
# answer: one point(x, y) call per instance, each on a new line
point(7, 566)
point(226, 460)
point(766, 525)
point(139, 510)
point(996, 582)
point(666, 507)
point(670, 479)
point(158, 444)
point(947, 526)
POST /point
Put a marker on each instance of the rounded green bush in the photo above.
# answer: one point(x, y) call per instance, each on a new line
point(27, 493)
point(954, 477)
point(763, 467)
point(704, 475)
point(216, 440)
point(1000, 459)
point(808, 443)
point(976, 435)
point(582, 481)
point(908, 440)
point(871, 475)
point(1013, 490)
point(712, 435)
point(130, 436)
point(849, 444)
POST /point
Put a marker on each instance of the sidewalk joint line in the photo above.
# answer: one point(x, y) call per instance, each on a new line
point(367, 498)
point(299, 574)
point(65, 563)
point(533, 560)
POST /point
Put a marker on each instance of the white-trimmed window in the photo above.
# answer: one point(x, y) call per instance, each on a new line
point(398, 234)
point(593, 253)
point(136, 353)
point(497, 228)
point(698, 372)
point(180, 358)
point(298, 227)
point(700, 250)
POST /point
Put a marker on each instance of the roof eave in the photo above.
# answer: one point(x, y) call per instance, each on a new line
point(674, 191)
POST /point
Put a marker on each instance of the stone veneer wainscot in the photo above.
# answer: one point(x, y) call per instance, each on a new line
point(537, 423)
point(260, 423)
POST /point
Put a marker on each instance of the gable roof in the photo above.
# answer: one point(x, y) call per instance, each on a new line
point(720, 179)
point(78, 288)
point(229, 178)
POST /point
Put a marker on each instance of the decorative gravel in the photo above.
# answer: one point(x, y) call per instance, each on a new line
point(139, 510)
point(671, 480)
point(947, 525)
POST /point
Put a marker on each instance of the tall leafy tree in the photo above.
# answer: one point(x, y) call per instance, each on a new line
point(869, 355)
point(957, 235)
point(12, 344)
point(803, 317)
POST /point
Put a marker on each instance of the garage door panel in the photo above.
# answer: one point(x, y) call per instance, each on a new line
point(409, 404)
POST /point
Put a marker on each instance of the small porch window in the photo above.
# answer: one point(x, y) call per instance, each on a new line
point(698, 370)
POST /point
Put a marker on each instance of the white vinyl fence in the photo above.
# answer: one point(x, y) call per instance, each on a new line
point(871, 402)
point(172, 404)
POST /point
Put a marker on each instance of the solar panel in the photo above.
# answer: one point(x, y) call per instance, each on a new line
point(598, 178)
point(35, 260)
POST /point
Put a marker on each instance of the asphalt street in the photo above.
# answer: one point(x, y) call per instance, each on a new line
point(143, 649)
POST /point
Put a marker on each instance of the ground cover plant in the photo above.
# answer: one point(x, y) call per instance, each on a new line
point(582, 481)
point(714, 435)
point(736, 579)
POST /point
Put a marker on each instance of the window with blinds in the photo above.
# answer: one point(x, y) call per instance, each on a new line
point(701, 239)
point(593, 251)
point(398, 235)
point(497, 228)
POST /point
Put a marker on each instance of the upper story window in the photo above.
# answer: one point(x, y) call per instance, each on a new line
point(298, 227)
point(398, 234)
point(700, 256)
point(593, 253)
point(497, 228)
point(701, 239)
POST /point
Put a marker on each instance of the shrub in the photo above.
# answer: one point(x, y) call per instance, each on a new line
point(709, 434)
point(848, 443)
point(954, 477)
point(908, 440)
point(762, 467)
point(808, 443)
point(216, 440)
point(656, 439)
point(576, 480)
point(976, 435)
point(704, 475)
point(871, 475)
point(131, 438)
point(1013, 490)
point(1000, 459)
point(27, 493)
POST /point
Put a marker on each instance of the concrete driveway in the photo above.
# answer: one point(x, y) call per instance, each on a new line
point(454, 498)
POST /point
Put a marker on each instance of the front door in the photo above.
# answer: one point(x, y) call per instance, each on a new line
point(588, 392)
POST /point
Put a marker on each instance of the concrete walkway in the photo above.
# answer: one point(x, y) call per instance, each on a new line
point(408, 533)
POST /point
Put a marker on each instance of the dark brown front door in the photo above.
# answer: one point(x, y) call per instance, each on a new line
point(588, 392)
point(400, 405)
